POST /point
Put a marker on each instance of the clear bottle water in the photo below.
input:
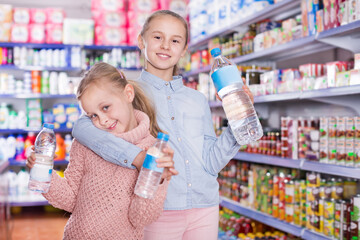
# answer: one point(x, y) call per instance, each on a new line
point(45, 145)
point(237, 105)
point(150, 175)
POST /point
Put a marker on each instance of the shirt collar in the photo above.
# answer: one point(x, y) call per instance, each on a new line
point(159, 83)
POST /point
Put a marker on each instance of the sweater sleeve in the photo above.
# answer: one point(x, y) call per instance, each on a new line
point(63, 191)
point(144, 211)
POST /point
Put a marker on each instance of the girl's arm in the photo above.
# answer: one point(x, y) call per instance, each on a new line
point(63, 191)
point(106, 145)
point(217, 152)
point(144, 211)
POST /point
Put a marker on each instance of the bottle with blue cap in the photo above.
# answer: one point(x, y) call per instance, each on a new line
point(237, 105)
point(45, 145)
point(150, 175)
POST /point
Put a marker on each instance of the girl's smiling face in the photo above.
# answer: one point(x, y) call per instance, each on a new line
point(108, 108)
point(163, 44)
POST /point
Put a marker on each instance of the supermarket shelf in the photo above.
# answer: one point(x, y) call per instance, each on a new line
point(61, 46)
point(271, 221)
point(310, 235)
point(346, 36)
point(197, 71)
point(313, 94)
point(261, 217)
point(23, 131)
point(40, 68)
point(331, 169)
point(265, 159)
point(268, 12)
point(3, 166)
point(29, 203)
point(37, 95)
point(299, 164)
point(22, 163)
point(108, 47)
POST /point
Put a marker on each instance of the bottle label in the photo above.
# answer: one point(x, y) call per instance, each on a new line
point(150, 163)
point(41, 172)
point(226, 76)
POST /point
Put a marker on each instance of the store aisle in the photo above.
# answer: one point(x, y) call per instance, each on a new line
point(36, 224)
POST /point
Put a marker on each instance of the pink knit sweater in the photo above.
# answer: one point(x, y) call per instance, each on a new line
point(100, 195)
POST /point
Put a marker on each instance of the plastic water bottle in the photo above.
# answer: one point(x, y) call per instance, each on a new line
point(40, 174)
point(237, 105)
point(150, 175)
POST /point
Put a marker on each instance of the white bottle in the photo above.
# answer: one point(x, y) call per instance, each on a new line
point(12, 189)
point(53, 83)
point(11, 147)
point(68, 142)
point(4, 116)
point(45, 145)
point(22, 186)
point(150, 175)
point(237, 105)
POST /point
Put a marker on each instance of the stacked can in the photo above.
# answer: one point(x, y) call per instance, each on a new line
point(324, 131)
point(332, 140)
point(357, 142)
point(353, 228)
point(340, 141)
point(314, 209)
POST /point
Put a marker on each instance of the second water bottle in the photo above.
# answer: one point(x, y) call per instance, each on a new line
point(150, 175)
point(237, 105)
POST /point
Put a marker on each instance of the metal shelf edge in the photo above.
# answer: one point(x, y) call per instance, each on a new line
point(261, 217)
point(22, 163)
point(331, 169)
point(29, 204)
point(309, 235)
point(270, 160)
point(4, 165)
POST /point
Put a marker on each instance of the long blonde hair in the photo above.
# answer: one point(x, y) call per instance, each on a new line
point(103, 71)
point(159, 13)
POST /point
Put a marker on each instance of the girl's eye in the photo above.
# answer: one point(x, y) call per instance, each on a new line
point(157, 37)
point(176, 41)
point(105, 108)
point(92, 116)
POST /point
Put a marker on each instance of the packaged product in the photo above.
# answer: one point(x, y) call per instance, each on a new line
point(38, 15)
point(55, 15)
point(110, 19)
point(36, 33)
point(343, 12)
point(78, 31)
point(20, 33)
point(144, 5)
point(5, 32)
point(54, 33)
point(354, 77)
point(6, 14)
point(110, 35)
point(108, 5)
point(21, 15)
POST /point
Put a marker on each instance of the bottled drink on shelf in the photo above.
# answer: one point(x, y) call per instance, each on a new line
point(45, 145)
point(150, 175)
point(237, 105)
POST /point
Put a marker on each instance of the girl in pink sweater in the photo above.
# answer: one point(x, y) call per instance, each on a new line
point(99, 194)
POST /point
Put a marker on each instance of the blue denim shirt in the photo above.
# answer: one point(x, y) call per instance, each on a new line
point(199, 155)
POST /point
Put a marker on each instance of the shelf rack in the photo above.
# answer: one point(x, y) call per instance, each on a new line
point(37, 95)
point(29, 203)
point(3, 166)
point(313, 94)
point(61, 46)
point(299, 164)
point(271, 221)
point(325, 40)
point(269, 12)
point(24, 131)
point(22, 163)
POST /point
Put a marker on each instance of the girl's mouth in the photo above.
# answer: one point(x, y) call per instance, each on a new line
point(113, 126)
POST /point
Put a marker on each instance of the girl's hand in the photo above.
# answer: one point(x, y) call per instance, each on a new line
point(30, 161)
point(167, 163)
point(246, 90)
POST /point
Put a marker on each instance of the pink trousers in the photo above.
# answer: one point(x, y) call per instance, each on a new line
point(191, 224)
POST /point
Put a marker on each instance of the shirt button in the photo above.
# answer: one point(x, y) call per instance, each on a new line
point(179, 139)
point(125, 161)
point(168, 97)
point(189, 184)
point(172, 118)
point(187, 161)
point(166, 84)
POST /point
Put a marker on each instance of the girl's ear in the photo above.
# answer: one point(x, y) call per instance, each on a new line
point(129, 92)
point(140, 42)
point(184, 51)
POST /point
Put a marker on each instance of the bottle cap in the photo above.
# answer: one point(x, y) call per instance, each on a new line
point(163, 136)
point(49, 125)
point(215, 52)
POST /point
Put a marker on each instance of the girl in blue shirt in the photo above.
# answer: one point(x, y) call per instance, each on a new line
point(191, 206)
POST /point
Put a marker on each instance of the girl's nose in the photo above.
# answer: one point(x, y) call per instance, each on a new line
point(165, 45)
point(103, 120)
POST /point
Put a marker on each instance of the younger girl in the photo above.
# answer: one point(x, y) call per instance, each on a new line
point(99, 194)
point(191, 206)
